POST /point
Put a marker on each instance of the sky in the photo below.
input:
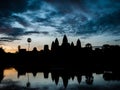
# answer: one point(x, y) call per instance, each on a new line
point(93, 21)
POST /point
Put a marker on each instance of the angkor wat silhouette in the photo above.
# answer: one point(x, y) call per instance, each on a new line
point(66, 61)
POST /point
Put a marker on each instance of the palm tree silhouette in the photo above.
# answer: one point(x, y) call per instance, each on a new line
point(29, 41)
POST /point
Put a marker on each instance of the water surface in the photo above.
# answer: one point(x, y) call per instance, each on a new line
point(11, 81)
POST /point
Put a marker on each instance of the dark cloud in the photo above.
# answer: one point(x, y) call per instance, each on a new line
point(107, 24)
point(65, 6)
point(21, 20)
point(117, 40)
point(5, 22)
point(8, 39)
point(34, 4)
point(36, 32)
point(99, 7)
point(9, 6)
point(12, 31)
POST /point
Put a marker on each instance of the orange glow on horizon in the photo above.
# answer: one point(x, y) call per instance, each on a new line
point(10, 72)
point(9, 49)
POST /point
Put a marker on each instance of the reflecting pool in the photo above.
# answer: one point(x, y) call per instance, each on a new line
point(11, 81)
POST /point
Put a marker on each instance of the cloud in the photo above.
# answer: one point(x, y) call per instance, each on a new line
point(117, 40)
point(87, 6)
point(36, 32)
point(9, 6)
point(11, 31)
point(8, 39)
point(5, 22)
point(107, 24)
point(21, 20)
point(71, 17)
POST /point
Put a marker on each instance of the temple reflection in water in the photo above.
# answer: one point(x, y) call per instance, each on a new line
point(65, 79)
